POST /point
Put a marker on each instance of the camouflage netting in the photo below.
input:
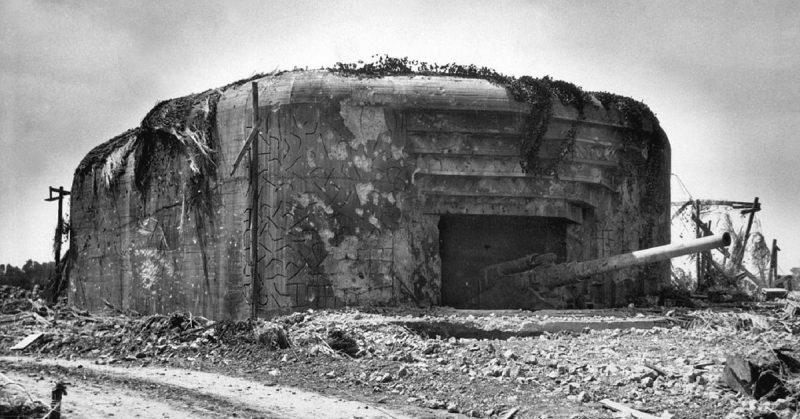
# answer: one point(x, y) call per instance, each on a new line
point(185, 122)
point(108, 158)
point(189, 120)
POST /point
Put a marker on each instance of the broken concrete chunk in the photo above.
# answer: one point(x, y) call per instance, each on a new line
point(452, 407)
point(435, 404)
point(403, 371)
point(769, 386)
point(430, 349)
point(792, 308)
point(757, 375)
point(271, 335)
point(788, 361)
point(630, 412)
point(342, 341)
point(737, 374)
point(294, 318)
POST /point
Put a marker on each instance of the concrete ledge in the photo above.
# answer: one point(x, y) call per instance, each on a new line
point(505, 328)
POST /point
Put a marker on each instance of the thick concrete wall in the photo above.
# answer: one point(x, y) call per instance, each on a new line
point(355, 177)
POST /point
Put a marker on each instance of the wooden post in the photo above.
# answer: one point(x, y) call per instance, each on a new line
point(58, 392)
point(704, 259)
point(707, 256)
point(55, 287)
point(773, 263)
point(752, 211)
point(60, 226)
point(698, 256)
point(254, 188)
point(251, 146)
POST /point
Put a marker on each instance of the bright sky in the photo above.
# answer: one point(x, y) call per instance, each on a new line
point(722, 76)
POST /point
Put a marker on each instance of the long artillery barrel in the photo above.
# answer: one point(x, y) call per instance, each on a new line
point(554, 276)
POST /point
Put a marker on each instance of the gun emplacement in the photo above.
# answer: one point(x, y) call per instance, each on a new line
point(541, 271)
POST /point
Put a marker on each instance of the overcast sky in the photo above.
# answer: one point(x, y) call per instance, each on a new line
point(723, 78)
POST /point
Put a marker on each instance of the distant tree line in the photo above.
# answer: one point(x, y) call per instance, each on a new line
point(32, 273)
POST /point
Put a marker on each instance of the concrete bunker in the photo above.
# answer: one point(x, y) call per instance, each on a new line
point(383, 189)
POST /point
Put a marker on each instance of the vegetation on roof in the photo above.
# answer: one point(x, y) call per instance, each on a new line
point(97, 156)
point(190, 119)
point(537, 92)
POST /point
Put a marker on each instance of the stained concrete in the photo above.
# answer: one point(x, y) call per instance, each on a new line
point(356, 175)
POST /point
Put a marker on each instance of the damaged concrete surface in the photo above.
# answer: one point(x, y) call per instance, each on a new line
point(365, 186)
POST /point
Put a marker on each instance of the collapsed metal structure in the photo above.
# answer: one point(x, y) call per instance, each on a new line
point(748, 267)
point(371, 190)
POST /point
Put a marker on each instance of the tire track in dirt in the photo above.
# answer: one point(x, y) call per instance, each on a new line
point(92, 397)
point(171, 392)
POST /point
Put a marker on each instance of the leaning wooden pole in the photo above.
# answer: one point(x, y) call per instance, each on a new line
point(752, 211)
point(56, 286)
point(59, 228)
point(254, 188)
point(61, 193)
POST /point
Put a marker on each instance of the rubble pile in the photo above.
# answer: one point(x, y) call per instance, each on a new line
point(682, 365)
point(15, 300)
point(68, 332)
point(662, 369)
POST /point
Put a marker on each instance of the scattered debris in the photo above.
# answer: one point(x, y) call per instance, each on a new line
point(674, 364)
point(15, 300)
point(271, 335)
point(510, 413)
point(28, 341)
point(619, 407)
point(658, 370)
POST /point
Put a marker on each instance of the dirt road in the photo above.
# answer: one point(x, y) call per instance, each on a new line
point(101, 391)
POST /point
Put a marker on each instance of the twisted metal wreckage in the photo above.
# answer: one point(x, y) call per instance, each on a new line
point(750, 266)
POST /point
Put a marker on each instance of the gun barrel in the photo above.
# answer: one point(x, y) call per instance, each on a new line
point(572, 272)
point(518, 265)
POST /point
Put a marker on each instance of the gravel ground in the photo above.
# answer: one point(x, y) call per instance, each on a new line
point(667, 362)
